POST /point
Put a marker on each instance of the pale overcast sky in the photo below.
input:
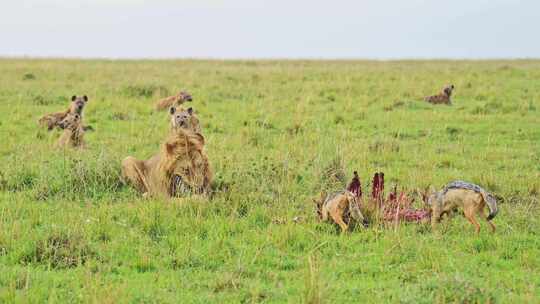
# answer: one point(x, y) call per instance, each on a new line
point(376, 29)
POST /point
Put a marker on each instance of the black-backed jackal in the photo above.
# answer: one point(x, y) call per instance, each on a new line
point(470, 197)
point(341, 207)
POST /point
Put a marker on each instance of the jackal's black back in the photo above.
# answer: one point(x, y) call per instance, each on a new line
point(463, 185)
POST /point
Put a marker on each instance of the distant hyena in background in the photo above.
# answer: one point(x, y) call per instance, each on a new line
point(443, 97)
point(53, 120)
point(173, 101)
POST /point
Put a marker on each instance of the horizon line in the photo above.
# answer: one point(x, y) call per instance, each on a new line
point(256, 58)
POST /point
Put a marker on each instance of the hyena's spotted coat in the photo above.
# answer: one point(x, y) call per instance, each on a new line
point(443, 97)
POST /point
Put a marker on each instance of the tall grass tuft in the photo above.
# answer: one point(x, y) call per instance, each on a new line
point(313, 293)
point(145, 91)
point(77, 177)
point(58, 251)
point(333, 176)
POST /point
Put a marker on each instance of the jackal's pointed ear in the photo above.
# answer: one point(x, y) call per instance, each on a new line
point(73, 97)
point(319, 201)
point(190, 111)
point(172, 110)
point(430, 190)
point(322, 197)
point(318, 207)
point(85, 98)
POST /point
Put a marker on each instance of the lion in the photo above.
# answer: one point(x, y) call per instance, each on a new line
point(53, 120)
point(443, 97)
point(180, 167)
point(73, 135)
point(173, 101)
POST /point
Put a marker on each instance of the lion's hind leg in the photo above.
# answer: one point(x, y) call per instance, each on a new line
point(133, 171)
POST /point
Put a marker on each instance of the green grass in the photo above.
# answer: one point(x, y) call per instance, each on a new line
point(70, 231)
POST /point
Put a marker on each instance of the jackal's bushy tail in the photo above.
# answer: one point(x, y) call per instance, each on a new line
point(491, 201)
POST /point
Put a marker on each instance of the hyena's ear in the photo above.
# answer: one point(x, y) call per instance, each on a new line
point(73, 97)
point(172, 110)
point(85, 98)
point(190, 111)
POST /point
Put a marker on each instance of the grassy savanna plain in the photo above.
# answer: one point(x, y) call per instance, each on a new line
point(71, 231)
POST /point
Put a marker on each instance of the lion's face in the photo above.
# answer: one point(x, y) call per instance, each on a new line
point(78, 103)
point(183, 119)
point(71, 122)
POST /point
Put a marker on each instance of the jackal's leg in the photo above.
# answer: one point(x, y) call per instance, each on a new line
point(470, 215)
point(435, 217)
point(324, 216)
point(132, 171)
point(493, 227)
point(339, 220)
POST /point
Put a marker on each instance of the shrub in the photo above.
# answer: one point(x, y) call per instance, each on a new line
point(45, 99)
point(333, 176)
point(59, 251)
point(94, 177)
point(29, 76)
point(22, 179)
point(145, 91)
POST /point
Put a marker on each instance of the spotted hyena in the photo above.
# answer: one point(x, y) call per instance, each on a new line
point(443, 97)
